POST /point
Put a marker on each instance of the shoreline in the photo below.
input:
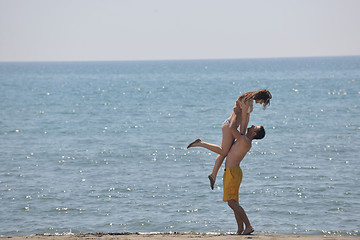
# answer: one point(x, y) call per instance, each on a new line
point(177, 236)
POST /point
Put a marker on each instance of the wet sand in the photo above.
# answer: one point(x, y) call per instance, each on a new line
point(176, 236)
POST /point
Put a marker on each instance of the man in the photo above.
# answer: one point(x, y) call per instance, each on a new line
point(233, 174)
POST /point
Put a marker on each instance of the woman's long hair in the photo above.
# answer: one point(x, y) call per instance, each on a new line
point(261, 94)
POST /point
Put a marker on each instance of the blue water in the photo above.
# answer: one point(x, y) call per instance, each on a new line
point(101, 146)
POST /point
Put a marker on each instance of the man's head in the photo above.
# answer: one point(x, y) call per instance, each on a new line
point(256, 132)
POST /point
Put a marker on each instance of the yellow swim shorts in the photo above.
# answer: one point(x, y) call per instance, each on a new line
point(231, 183)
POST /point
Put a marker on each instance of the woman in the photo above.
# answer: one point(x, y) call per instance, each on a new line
point(244, 104)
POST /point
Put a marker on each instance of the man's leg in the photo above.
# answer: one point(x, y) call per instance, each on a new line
point(240, 223)
point(240, 216)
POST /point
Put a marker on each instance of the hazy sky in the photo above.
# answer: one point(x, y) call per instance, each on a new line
point(76, 30)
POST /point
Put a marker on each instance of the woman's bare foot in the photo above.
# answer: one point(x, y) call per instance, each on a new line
point(194, 143)
point(212, 181)
point(248, 231)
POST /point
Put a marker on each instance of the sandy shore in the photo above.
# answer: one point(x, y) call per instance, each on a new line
point(125, 236)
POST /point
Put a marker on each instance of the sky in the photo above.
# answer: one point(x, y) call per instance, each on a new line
point(110, 30)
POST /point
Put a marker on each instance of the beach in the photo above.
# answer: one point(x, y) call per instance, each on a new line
point(176, 236)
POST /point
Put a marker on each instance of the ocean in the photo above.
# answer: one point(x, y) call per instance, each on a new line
point(101, 146)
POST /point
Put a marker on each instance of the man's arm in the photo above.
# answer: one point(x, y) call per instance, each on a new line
point(244, 122)
point(245, 117)
point(235, 122)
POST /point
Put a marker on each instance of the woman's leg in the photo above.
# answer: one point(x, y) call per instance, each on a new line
point(227, 141)
point(212, 147)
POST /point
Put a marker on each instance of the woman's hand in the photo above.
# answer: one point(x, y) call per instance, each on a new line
point(242, 104)
point(237, 107)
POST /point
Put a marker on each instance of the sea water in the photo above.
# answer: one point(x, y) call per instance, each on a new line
point(101, 146)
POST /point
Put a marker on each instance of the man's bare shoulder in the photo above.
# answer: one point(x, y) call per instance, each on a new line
point(244, 142)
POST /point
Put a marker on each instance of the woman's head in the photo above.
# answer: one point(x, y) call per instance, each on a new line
point(262, 96)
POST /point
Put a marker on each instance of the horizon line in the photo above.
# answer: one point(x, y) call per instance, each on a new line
point(180, 59)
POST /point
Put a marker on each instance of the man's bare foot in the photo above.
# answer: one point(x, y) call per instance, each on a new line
point(194, 143)
point(240, 232)
point(248, 231)
point(212, 181)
